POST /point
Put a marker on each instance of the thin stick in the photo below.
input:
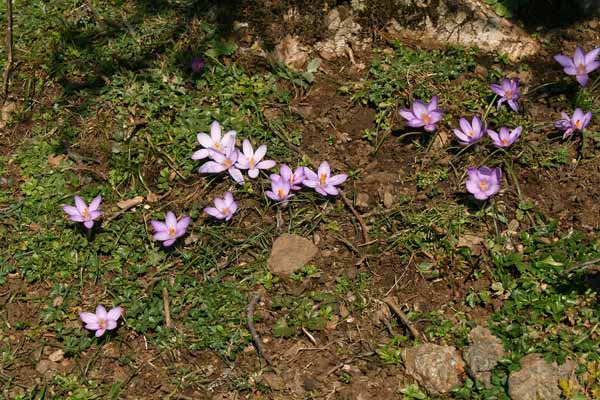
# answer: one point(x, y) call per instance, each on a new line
point(582, 265)
point(363, 227)
point(9, 49)
point(167, 307)
point(403, 317)
point(257, 342)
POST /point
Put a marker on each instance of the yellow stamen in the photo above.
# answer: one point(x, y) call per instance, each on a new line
point(251, 163)
point(102, 323)
point(483, 185)
point(578, 124)
point(508, 94)
point(504, 141)
point(425, 118)
point(580, 69)
point(280, 193)
point(85, 213)
point(323, 178)
point(470, 133)
point(227, 163)
point(172, 232)
point(225, 211)
point(217, 146)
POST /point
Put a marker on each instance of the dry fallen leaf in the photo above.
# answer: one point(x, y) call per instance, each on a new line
point(129, 203)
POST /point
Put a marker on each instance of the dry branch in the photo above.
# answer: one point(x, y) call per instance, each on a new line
point(9, 49)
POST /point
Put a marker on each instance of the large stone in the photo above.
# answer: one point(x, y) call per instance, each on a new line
point(483, 354)
point(292, 53)
point(437, 368)
point(290, 253)
point(538, 379)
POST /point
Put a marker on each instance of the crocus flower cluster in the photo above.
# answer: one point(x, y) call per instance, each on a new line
point(224, 207)
point(84, 213)
point(423, 115)
point(225, 157)
point(576, 123)
point(508, 90)
point(483, 182)
point(470, 133)
point(581, 64)
point(169, 231)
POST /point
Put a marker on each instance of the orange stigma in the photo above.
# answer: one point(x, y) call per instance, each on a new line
point(102, 323)
point(578, 124)
point(227, 163)
point(483, 185)
point(508, 94)
point(504, 141)
point(580, 69)
point(85, 213)
point(426, 118)
point(322, 179)
point(172, 232)
point(280, 193)
point(225, 211)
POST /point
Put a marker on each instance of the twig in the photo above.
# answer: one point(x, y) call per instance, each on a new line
point(259, 345)
point(363, 227)
point(127, 206)
point(9, 49)
point(582, 265)
point(403, 317)
point(167, 307)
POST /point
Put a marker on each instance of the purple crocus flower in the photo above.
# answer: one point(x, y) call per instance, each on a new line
point(251, 160)
point(322, 182)
point(170, 230)
point(508, 90)
point(294, 178)
point(214, 142)
point(483, 182)
point(577, 122)
point(505, 138)
point(101, 321)
point(423, 115)
point(84, 213)
point(581, 64)
point(469, 133)
point(224, 207)
point(223, 162)
point(280, 189)
point(197, 64)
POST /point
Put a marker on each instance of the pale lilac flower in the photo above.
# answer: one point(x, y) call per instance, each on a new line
point(224, 207)
point(322, 182)
point(577, 122)
point(469, 133)
point(214, 142)
point(223, 162)
point(423, 115)
point(170, 230)
point(101, 321)
point(280, 189)
point(84, 213)
point(581, 64)
point(505, 138)
point(294, 178)
point(508, 90)
point(251, 160)
point(483, 182)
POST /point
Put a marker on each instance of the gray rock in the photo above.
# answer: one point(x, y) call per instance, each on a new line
point(47, 368)
point(483, 354)
point(536, 380)
point(437, 368)
point(290, 253)
point(292, 53)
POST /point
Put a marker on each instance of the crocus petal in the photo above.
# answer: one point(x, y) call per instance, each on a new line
point(331, 190)
point(72, 211)
point(200, 154)
point(272, 195)
point(204, 140)
point(266, 164)
point(88, 317)
point(320, 190)
point(115, 313)
point(324, 169)
point(100, 332)
point(80, 204)
point(232, 209)
point(419, 109)
point(311, 183)
point(237, 176)
point(566, 62)
point(513, 104)
point(465, 125)
point(211, 167)
point(578, 56)
point(228, 139)
point(171, 220)
point(95, 214)
point(285, 171)
point(310, 175)
point(88, 224)
point(583, 79)
point(430, 127)
point(95, 203)
point(433, 104)
point(215, 132)
point(260, 152)
point(162, 235)
point(182, 226)
point(253, 173)
point(415, 123)
point(406, 114)
point(435, 116)
point(228, 197)
point(337, 179)
point(461, 136)
point(111, 324)
point(214, 212)
point(101, 312)
point(92, 326)
point(586, 119)
point(594, 65)
point(158, 226)
point(247, 148)
point(168, 243)
point(497, 89)
point(568, 133)
point(516, 133)
point(592, 55)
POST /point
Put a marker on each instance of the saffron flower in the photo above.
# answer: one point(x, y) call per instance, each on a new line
point(580, 65)
point(251, 160)
point(577, 122)
point(294, 178)
point(280, 189)
point(484, 182)
point(423, 115)
point(505, 138)
point(214, 142)
point(322, 182)
point(170, 230)
point(101, 321)
point(84, 213)
point(197, 64)
point(224, 207)
point(469, 133)
point(508, 90)
point(223, 162)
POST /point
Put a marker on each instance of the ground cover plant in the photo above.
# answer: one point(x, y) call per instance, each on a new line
point(153, 156)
